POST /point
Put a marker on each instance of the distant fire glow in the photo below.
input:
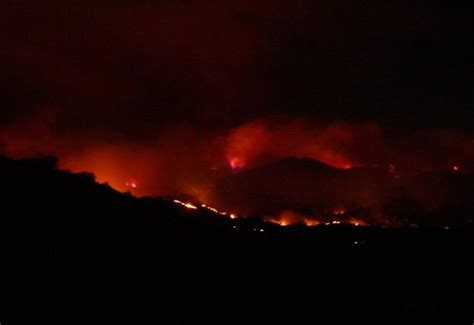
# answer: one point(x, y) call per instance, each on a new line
point(339, 212)
point(289, 218)
point(131, 184)
point(191, 206)
point(186, 205)
point(236, 163)
point(210, 170)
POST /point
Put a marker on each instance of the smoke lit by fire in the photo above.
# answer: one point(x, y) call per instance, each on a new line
point(179, 161)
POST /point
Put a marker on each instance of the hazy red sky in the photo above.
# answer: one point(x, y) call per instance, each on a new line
point(165, 91)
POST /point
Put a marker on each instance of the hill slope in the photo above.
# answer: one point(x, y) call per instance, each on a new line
point(75, 251)
point(376, 195)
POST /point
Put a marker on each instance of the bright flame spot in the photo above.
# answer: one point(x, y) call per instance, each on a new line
point(277, 222)
point(356, 222)
point(210, 208)
point(456, 168)
point(233, 216)
point(287, 218)
point(236, 163)
point(131, 184)
point(186, 205)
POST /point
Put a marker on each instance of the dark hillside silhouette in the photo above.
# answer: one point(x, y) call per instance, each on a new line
point(78, 252)
point(441, 198)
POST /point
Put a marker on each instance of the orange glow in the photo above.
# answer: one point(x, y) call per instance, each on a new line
point(339, 212)
point(287, 218)
point(357, 222)
point(331, 144)
point(205, 206)
point(282, 223)
point(131, 184)
point(311, 222)
point(186, 205)
point(236, 163)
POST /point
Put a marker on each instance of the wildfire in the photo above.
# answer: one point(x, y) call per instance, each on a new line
point(210, 208)
point(189, 205)
point(311, 222)
point(131, 184)
point(186, 205)
point(339, 212)
point(286, 218)
point(236, 163)
point(356, 222)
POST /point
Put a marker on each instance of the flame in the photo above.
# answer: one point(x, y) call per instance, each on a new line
point(311, 222)
point(282, 223)
point(189, 205)
point(356, 222)
point(287, 218)
point(338, 212)
point(186, 205)
point(131, 184)
point(236, 163)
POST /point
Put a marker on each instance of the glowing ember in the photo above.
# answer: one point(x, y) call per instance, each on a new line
point(356, 222)
point(186, 205)
point(286, 218)
point(131, 184)
point(311, 222)
point(456, 168)
point(210, 208)
point(204, 206)
point(236, 163)
point(338, 212)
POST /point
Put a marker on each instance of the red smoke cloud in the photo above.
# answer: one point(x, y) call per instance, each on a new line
point(341, 145)
point(181, 159)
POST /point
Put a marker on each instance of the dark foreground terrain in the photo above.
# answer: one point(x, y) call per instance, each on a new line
point(76, 252)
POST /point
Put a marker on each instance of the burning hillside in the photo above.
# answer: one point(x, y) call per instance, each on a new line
point(244, 170)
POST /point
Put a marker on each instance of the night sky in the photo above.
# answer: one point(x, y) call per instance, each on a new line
point(165, 91)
